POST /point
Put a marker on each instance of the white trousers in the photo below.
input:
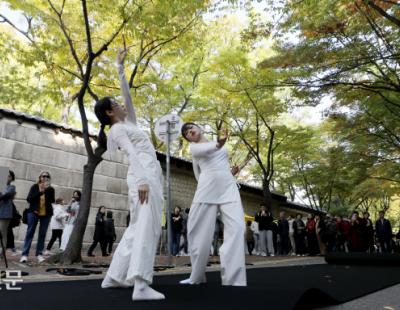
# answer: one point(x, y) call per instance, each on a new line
point(201, 225)
point(66, 235)
point(267, 242)
point(135, 254)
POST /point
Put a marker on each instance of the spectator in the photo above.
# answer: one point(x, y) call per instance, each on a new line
point(73, 211)
point(56, 224)
point(6, 207)
point(311, 234)
point(110, 235)
point(330, 233)
point(264, 219)
point(99, 233)
point(356, 233)
point(184, 246)
point(40, 198)
point(320, 230)
point(15, 222)
point(256, 235)
point(291, 235)
point(384, 233)
point(283, 232)
point(249, 238)
point(343, 235)
point(218, 235)
point(369, 233)
point(299, 235)
point(176, 224)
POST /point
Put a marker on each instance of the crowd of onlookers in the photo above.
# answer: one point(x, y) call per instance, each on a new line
point(314, 234)
point(318, 234)
point(45, 211)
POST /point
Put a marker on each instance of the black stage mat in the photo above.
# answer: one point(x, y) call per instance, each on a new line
point(298, 287)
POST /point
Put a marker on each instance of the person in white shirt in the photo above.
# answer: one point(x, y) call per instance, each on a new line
point(216, 191)
point(133, 260)
point(72, 210)
point(256, 234)
point(291, 235)
point(57, 223)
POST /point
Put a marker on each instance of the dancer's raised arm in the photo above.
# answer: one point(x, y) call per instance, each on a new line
point(125, 87)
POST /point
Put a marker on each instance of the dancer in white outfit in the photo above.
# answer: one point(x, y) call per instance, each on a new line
point(133, 260)
point(216, 191)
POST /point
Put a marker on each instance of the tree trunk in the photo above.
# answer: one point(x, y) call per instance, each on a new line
point(267, 194)
point(72, 253)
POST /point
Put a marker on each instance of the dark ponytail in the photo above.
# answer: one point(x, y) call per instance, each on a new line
point(102, 138)
point(100, 108)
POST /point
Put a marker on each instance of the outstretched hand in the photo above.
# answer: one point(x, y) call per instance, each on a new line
point(121, 56)
point(222, 138)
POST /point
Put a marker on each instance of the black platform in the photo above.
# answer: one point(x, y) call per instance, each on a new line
point(299, 287)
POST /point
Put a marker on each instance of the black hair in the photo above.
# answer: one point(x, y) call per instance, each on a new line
point(109, 214)
point(79, 194)
point(248, 223)
point(100, 108)
point(100, 208)
point(185, 128)
point(12, 174)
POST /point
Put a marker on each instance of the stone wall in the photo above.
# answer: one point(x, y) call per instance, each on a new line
point(27, 148)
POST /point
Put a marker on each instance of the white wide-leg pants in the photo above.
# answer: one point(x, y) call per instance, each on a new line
point(135, 254)
point(201, 225)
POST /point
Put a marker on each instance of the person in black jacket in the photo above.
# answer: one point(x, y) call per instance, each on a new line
point(384, 233)
point(40, 198)
point(99, 233)
point(110, 234)
point(299, 229)
point(283, 232)
point(176, 225)
point(369, 233)
point(264, 219)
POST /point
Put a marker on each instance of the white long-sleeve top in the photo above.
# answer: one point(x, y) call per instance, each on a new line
point(135, 143)
point(254, 227)
point(58, 218)
point(216, 184)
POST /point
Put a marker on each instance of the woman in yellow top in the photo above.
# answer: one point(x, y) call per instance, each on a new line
point(40, 198)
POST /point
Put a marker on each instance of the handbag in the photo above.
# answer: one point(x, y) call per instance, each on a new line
point(25, 216)
point(16, 219)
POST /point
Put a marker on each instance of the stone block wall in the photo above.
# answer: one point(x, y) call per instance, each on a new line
point(27, 148)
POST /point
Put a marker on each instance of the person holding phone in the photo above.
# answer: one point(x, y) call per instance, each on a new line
point(40, 198)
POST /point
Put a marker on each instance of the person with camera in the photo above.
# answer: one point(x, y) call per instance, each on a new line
point(40, 198)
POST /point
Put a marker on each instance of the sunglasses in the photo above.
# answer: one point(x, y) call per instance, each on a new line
point(45, 176)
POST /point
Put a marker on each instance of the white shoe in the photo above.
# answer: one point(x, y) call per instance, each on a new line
point(263, 254)
point(143, 291)
point(188, 282)
point(272, 255)
point(110, 283)
point(47, 253)
point(23, 259)
point(40, 259)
